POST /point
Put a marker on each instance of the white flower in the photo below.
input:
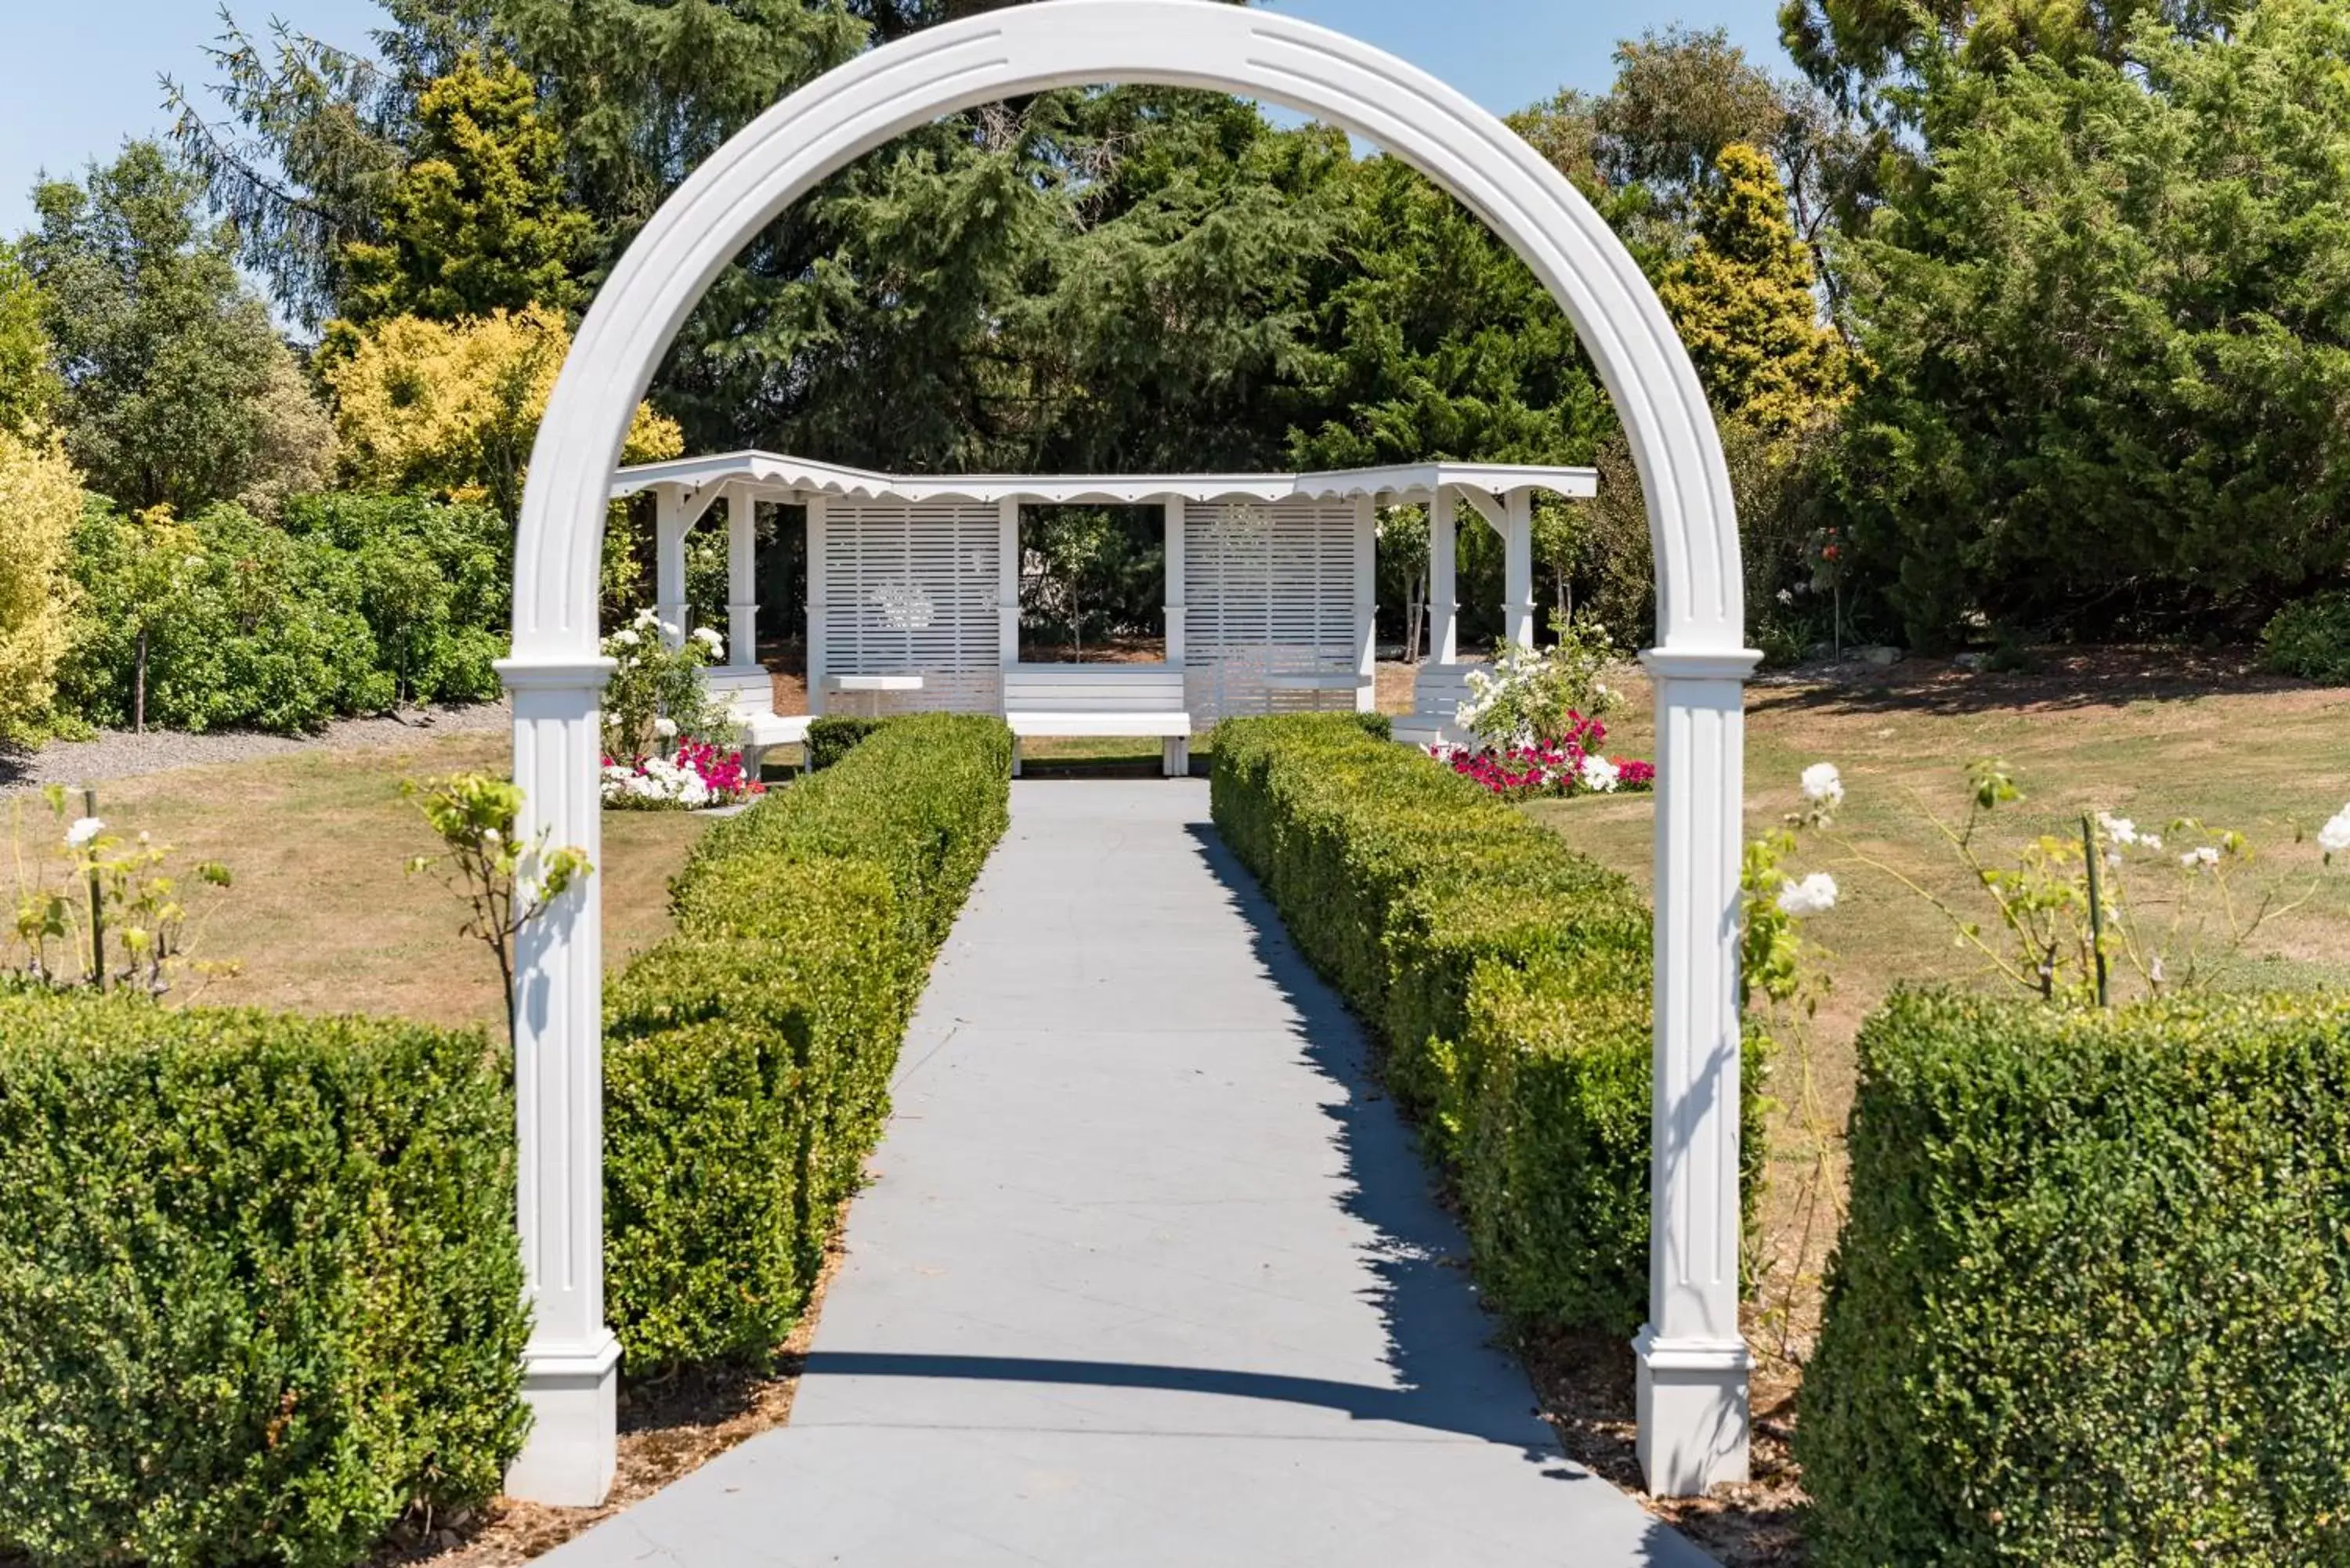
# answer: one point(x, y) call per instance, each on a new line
point(1822, 785)
point(1598, 775)
point(2202, 859)
point(1813, 893)
point(665, 728)
point(84, 829)
point(2151, 840)
point(711, 640)
point(624, 638)
point(2154, 969)
point(2334, 837)
point(649, 619)
point(2121, 830)
point(1786, 596)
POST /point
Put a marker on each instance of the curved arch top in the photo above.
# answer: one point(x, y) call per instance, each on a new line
point(784, 153)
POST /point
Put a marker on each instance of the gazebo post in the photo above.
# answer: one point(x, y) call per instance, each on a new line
point(670, 525)
point(1366, 608)
point(741, 578)
point(1518, 567)
point(1443, 592)
point(570, 1367)
point(1692, 1360)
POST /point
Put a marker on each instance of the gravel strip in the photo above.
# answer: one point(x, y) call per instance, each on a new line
point(120, 755)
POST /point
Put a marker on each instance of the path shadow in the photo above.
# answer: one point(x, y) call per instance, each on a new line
point(2058, 679)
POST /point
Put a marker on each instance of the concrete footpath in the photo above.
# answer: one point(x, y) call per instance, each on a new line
point(1150, 1274)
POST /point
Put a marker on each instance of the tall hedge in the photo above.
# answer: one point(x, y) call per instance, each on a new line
point(259, 1286)
point(1506, 979)
point(748, 1057)
point(2093, 1301)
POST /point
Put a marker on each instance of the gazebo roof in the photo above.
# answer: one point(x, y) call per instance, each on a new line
point(774, 476)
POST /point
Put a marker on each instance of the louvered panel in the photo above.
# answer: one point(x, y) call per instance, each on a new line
point(910, 588)
point(1271, 594)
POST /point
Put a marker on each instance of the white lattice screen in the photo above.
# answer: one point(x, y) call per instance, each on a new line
point(910, 588)
point(1267, 589)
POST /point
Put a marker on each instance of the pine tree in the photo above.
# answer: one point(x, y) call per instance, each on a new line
point(478, 221)
point(1743, 300)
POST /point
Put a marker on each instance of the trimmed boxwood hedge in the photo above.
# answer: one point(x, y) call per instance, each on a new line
point(2093, 1301)
point(747, 1058)
point(832, 737)
point(1506, 979)
point(259, 1288)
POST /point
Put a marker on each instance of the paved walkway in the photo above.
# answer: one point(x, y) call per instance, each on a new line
point(1150, 1273)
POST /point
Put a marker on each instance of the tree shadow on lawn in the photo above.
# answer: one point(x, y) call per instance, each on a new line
point(2060, 677)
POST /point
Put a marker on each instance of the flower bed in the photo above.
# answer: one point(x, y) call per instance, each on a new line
point(698, 777)
point(1573, 765)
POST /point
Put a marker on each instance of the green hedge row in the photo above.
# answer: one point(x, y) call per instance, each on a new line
point(747, 1058)
point(1506, 979)
point(832, 737)
point(2093, 1301)
point(259, 1290)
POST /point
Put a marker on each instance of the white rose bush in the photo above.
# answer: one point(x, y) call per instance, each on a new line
point(95, 908)
point(667, 746)
point(1538, 718)
point(2073, 914)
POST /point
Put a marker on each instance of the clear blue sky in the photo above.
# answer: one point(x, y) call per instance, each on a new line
point(79, 76)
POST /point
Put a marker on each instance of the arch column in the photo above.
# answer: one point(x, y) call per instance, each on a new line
point(570, 1366)
point(1693, 1364)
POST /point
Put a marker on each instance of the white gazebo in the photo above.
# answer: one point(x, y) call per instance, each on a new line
point(913, 596)
point(1691, 1357)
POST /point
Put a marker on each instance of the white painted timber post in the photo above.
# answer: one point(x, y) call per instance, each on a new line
point(1692, 1359)
point(816, 602)
point(1518, 567)
point(742, 579)
point(1007, 582)
point(1444, 590)
point(670, 528)
point(1366, 608)
point(570, 1367)
point(1177, 600)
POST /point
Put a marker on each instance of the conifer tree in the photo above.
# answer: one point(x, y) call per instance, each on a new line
point(478, 221)
point(1743, 300)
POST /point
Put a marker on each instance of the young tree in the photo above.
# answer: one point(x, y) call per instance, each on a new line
point(479, 219)
point(177, 391)
point(1743, 302)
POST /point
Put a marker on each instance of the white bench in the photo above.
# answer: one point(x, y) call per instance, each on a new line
point(1437, 693)
point(1045, 699)
point(749, 693)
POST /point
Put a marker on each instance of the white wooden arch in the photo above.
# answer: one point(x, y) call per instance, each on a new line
point(1692, 1360)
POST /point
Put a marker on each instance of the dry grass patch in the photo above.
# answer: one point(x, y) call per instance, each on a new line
point(323, 917)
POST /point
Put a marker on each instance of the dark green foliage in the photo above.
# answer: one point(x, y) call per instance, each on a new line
point(747, 1058)
point(832, 737)
point(244, 622)
point(351, 603)
point(1506, 978)
point(435, 586)
point(2091, 1305)
point(2105, 364)
point(259, 1289)
point(2311, 639)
